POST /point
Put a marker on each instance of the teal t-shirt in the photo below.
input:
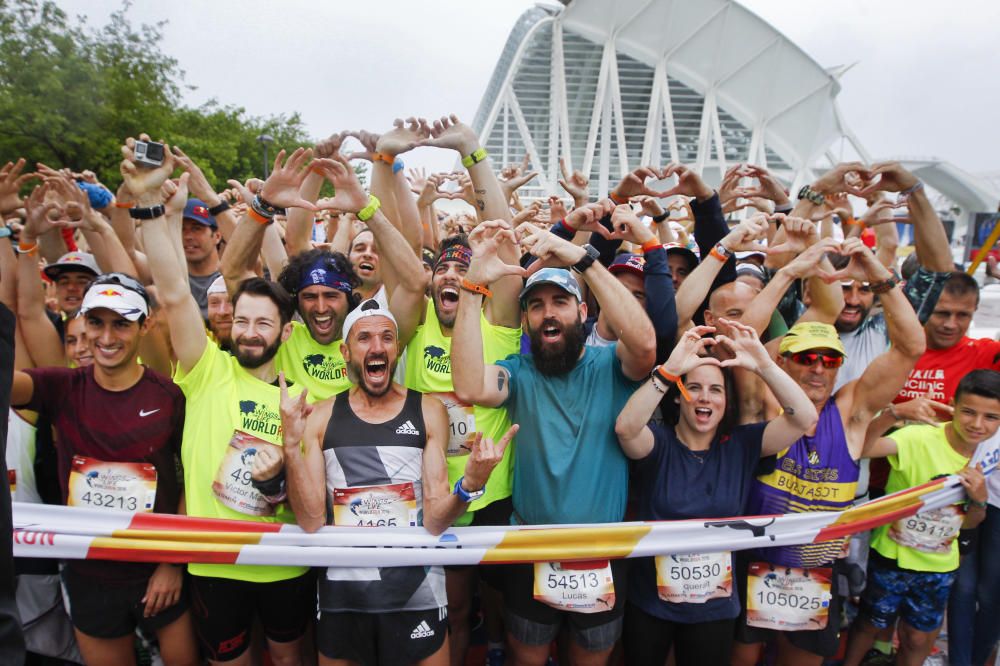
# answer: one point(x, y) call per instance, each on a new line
point(569, 466)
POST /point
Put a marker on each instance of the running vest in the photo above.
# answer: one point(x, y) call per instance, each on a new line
point(816, 473)
point(368, 466)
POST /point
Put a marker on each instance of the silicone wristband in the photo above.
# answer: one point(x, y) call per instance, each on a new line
point(128, 204)
point(611, 195)
point(477, 156)
point(476, 288)
point(258, 218)
point(382, 157)
point(651, 244)
point(368, 211)
point(674, 379)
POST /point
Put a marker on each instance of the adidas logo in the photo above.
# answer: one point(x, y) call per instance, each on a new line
point(407, 429)
point(422, 630)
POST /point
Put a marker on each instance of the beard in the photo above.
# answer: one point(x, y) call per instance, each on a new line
point(356, 374)
point(252, 360)
point(557, 359)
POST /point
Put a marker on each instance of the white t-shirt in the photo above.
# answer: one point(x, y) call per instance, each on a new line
point(988, 454)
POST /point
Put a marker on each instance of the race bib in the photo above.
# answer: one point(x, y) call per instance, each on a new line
point(392, 505)
point(696, 578)
point(461, 424)
point(788, 598)
point(232, 480)
point(111, 485)
point(580, 587)
point(929, 531)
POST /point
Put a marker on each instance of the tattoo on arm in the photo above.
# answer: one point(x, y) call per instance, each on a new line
point(789, 410)
point(501, 378)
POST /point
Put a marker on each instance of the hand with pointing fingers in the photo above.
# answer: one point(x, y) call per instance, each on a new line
point(294, 413)
point(485, 456)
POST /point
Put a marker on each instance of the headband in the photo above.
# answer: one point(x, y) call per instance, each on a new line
point(319, 274)
point(459, 253)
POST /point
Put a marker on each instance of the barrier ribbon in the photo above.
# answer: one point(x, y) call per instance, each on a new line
point(98, 534)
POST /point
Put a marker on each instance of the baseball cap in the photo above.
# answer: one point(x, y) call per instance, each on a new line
point(687, 253)
point(118, 292)
point(559, 277)
point(628, 263)
point(807, 335)
point(743, 254)
point(369, 308)
point(78, 262)
point(218, 286)
point(197, 211)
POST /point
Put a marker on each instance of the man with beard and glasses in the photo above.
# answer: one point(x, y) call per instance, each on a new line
point(375, 457)
point(565, 396)
point(323, 283)
point(232, 421)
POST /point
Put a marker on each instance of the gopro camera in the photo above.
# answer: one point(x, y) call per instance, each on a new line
point(148, 154)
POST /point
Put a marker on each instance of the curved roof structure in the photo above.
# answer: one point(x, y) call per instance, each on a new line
point(612, 85)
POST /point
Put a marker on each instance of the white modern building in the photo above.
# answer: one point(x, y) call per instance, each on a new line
point(611, 85)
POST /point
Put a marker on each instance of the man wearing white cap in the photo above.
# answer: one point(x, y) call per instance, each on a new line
point(381, 447)
point(118, 428)
point(220, 313)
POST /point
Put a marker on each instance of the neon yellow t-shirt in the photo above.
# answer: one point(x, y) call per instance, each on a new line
point(428, 370)
point(319, 368)
point(923, 453)
point(223, 398)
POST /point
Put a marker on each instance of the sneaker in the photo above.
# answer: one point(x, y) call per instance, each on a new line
point(495, 657)
point(876, 658)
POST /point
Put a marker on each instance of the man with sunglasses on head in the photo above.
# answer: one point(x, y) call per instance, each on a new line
point(119, 428)
point(819, 472)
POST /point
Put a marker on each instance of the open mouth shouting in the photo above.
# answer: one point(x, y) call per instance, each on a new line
point(322, 324)
point(703, 415)
point(376, 370)
point(551, 331)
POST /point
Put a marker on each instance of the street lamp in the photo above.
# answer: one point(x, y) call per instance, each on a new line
point(265, 140)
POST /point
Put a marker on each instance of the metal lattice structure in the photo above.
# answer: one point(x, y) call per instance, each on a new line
point(609, 86)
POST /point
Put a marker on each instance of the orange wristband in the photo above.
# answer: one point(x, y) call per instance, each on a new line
point(715, 254)
point(611, 195)
point(673, 379)
point(476, 288)
point(651, 244)
point(257, 217)
point(382, 157)
point(119, 204)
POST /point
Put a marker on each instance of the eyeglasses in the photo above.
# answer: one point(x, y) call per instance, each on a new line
point(810, 358)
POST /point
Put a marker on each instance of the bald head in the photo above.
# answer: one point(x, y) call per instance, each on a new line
point(729, 301)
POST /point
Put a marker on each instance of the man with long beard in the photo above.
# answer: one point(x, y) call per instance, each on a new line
point(376, 455)
point(565, 396)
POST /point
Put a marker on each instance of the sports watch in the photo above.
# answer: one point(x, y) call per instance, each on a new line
point(588, 259)
point(465, 495)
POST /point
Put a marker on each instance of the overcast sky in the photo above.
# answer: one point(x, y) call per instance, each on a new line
point(925, 82)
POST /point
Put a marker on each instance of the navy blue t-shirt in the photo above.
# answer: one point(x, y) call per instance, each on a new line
point(676, 483)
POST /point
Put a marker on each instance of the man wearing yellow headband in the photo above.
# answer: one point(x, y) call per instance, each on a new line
point(819, 472)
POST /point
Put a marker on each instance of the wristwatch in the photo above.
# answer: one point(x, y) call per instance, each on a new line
point(885, 285)
point(150, 213)
point(464, 494)
point(724, 251)
point(808, 193)
point(588, 259)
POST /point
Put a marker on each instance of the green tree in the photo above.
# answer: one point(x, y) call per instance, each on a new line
point(69, 95)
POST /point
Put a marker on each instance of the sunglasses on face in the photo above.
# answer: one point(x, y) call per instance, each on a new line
point(810, 358)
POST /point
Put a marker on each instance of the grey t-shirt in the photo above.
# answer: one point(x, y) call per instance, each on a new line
point(199, 289)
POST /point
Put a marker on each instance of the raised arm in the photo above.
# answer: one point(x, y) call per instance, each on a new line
point(407, 300)
point(695, 289)
point(302, 428)
point(474, 381)
point(490, 203)
point(929, 237)
point(200, 188)
point(39, 333)
point(281, 190)
point(798, 413)
point(886, 375)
